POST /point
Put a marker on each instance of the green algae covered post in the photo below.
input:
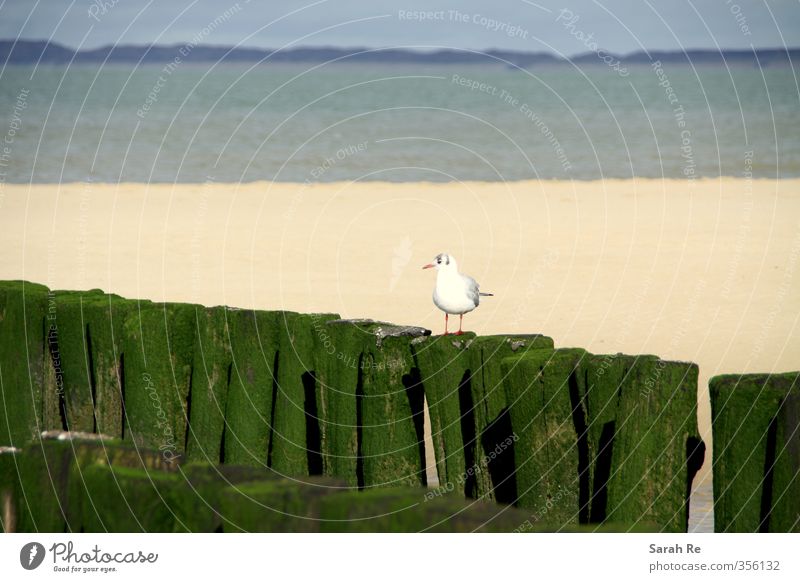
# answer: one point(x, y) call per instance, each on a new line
point(254, 337)
point(105, 316)
point(158, 346)
point(405, 510)
point(277, 506)
point(754, 419)
point(24, 357)
point(371, 403)
point(52, 472)
point(489, 443)
point(44, 471)
point(121, 499)
point(197, 500)
point(208, 396)
point(85, 335)
point(10, 493)
point(70, 331)
point(443, 363)
point(294, 448)
point(337, 364)
point(87, 483)
point(392, 404)
point(643, 445)
point(541, 394)
point(784, 513)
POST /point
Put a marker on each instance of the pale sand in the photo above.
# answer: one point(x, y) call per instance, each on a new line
point(704, 271)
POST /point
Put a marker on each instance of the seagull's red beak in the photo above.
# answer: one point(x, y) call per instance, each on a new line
point(428, 266)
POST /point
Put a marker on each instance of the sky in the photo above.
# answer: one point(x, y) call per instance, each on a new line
point(566, 27)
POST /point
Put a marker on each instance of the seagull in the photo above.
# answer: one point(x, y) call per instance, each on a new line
point(454, 293)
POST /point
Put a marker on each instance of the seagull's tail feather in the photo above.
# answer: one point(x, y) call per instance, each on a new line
point(486, 294)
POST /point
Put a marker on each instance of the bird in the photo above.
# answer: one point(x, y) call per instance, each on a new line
point(455, 293)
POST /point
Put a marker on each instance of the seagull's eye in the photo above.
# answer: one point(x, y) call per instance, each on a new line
point(439, 261)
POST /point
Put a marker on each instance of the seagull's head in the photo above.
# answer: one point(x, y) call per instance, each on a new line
point(441, 262)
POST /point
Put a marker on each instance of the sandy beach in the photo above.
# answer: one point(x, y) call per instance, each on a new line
point(705, 271)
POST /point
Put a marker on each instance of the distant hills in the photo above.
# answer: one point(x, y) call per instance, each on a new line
point(30, 52)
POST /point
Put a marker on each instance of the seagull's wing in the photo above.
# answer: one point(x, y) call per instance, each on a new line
point(472, 289)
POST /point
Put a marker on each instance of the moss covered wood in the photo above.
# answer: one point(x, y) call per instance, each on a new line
point(443, 362)
point(642, 444)
point(486, 424)
point(253, 386)
point(211, 376)
point(24, 357)
point(541, 394)
point(158, 345)
point(754, 419)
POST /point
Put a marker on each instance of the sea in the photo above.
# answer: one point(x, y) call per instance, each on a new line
point(191, 123)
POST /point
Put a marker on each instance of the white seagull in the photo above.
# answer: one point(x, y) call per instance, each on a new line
point(454, 293)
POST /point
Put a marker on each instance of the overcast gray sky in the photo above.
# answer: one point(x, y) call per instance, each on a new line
point(616, 25)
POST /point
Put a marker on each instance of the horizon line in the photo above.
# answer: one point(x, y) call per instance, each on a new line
point(412, 49)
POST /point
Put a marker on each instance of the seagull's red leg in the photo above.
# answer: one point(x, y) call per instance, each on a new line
point(445, 323)
point(460, 321)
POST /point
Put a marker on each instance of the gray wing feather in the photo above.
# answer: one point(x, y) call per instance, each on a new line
point(473, 289)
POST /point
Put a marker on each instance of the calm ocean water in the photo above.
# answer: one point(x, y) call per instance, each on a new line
point(193, 123)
